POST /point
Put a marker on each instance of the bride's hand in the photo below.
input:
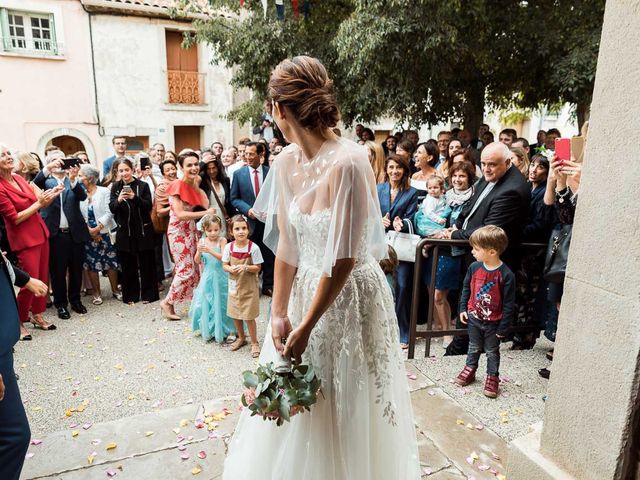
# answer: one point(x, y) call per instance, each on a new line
point(297, 344)
point(280, 329)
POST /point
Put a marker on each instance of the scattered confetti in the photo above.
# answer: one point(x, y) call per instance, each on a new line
point(196, 470)
point(483, 468)
point(36, 441)
point(459, 422)
point(87, 426)
point(427, 471)
point(29, 455)
point(184, 423)
point(148, 434)
point(411, 376)
point(479, 427)
point(202, 454)
point(184, 456)
point(75, 433)
point(91, 457)
point(111, 446)
point(111, 473)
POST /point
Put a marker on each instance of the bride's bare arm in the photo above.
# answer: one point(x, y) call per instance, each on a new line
point(283, 277)
point(328, 290)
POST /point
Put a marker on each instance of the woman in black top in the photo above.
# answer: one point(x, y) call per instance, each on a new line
point(131, 204)
point(214, 179)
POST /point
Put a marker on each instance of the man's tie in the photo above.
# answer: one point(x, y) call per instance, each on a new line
point(256, 182)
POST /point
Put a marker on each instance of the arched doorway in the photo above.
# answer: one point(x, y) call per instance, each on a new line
point(68, 144)
point(52, 136)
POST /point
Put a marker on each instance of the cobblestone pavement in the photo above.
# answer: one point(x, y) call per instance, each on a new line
point(121, 360)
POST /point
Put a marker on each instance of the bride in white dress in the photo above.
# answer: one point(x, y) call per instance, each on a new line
point(331, 301)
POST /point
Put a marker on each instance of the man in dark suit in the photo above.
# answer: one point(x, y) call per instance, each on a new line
point(501, 198)
point(14, 426)
point(68, 233)
point(247, 182)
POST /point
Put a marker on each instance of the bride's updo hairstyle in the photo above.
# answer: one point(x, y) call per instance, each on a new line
point(304, 87)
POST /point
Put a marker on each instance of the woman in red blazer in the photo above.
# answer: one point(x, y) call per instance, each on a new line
point(28, 236)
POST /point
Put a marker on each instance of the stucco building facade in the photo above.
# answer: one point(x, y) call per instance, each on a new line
point(111, 68)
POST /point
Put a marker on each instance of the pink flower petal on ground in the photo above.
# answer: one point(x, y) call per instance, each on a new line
point(202, 454)
point(36, 441)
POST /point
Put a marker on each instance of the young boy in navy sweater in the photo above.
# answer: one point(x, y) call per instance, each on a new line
point(486, 305)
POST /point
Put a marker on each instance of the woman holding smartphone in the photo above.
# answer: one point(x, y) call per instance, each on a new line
point(131, 204)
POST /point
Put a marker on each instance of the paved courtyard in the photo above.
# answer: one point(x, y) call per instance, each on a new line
point(125, 375)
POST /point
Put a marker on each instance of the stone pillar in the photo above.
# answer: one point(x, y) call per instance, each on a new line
point(593, 390)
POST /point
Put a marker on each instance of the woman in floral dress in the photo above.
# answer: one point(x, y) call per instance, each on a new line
point(188, 205)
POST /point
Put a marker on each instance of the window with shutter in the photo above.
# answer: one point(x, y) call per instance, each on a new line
point(28, 32)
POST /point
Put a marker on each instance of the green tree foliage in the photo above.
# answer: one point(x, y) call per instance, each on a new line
point(420, 61)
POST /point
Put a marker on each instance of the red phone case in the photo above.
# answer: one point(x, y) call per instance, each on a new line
point(563, 148)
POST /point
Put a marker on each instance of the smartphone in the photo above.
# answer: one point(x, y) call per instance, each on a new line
point(69, 162)
point(126, 189)
point(145, 163)
point(563, 148)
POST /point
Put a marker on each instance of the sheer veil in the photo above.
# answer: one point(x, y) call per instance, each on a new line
point(337, 182)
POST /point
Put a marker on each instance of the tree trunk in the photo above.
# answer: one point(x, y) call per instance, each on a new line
point(583, 110)
point(473, 110)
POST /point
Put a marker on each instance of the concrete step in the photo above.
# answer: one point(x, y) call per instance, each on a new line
point(139, 453)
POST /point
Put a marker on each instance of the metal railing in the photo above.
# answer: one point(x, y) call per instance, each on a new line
point(186, 87)
point(32, 46)
point(418, 289)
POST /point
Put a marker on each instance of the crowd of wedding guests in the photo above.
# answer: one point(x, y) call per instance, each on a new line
point(449, 187)
point(139, 222)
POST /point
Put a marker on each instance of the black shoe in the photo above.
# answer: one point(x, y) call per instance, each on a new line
point(78, 308)
point(63, 313)
point(544, 373)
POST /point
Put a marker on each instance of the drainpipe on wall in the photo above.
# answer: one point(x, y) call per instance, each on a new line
point(93, 69)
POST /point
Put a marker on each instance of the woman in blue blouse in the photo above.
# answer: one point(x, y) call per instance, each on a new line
point(398, 202)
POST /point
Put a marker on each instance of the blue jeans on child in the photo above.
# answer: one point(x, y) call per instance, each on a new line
point(482, 337)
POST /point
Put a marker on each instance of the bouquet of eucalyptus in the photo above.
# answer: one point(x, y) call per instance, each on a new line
point(278, 396)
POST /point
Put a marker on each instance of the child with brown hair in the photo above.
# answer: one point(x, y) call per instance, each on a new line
point(487, 305)
point(242, 260)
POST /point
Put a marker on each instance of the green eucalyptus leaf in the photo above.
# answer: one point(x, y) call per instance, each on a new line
point(250, 379)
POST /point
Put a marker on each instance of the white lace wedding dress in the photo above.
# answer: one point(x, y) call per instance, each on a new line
point(363, 428)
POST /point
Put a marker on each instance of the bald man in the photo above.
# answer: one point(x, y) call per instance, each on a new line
point(501, 198)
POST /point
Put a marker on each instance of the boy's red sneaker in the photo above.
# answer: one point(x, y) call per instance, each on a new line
point(466, 376)
point(491, 386)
